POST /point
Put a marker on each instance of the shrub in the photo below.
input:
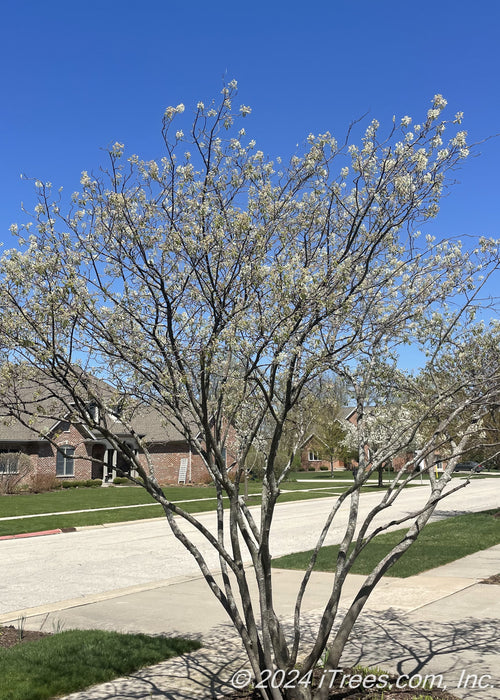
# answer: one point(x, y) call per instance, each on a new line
point(311, 469)
point(40, 483)
point(85, 483)
point(69, 484)
point(73, 484)
point(118, 480)
point(324, 468)
point(204, 480)
point(15, 467)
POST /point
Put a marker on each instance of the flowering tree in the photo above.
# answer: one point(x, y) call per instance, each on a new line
point(216, 287)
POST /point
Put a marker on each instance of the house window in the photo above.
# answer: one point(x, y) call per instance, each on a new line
point(9, 464)
point(313, 456)
point(65, 462)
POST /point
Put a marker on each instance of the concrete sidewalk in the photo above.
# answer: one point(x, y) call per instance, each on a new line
point(444, 621)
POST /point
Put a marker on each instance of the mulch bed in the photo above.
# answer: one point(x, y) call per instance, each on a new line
point(10, 636)
point(345, 693)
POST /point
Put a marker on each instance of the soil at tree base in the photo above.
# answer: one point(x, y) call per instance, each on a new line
point(338, 693)
point(348, 694)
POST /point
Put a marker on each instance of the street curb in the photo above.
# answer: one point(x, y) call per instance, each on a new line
point(32, 534)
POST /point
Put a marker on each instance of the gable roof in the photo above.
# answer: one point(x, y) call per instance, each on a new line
point(343, 415)
point(32, 406)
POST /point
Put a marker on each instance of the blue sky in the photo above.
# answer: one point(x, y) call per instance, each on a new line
point(79, 76)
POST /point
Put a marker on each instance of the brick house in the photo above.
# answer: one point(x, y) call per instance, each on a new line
point(315, 452)
point(70, 450)
point(313, 456)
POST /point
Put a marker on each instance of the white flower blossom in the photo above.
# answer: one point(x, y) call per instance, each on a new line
point(244, 110)
point(420, 159)
point(406, 121)
point(117, 149)
point(404, 185)
point(85, 180)
point(460, 139)
point(439, 102)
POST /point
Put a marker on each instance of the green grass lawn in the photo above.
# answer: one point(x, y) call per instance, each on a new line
point(73, 660)
point(337, 474)
point(387, 476)
point(78, 498)
point(317, 484)
point(192, 499)
point(438, 544)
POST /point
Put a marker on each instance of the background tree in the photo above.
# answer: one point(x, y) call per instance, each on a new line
point(326, 408)
point(216, 287)
point(486, 446)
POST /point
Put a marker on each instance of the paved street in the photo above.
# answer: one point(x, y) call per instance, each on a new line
point(44, 570)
